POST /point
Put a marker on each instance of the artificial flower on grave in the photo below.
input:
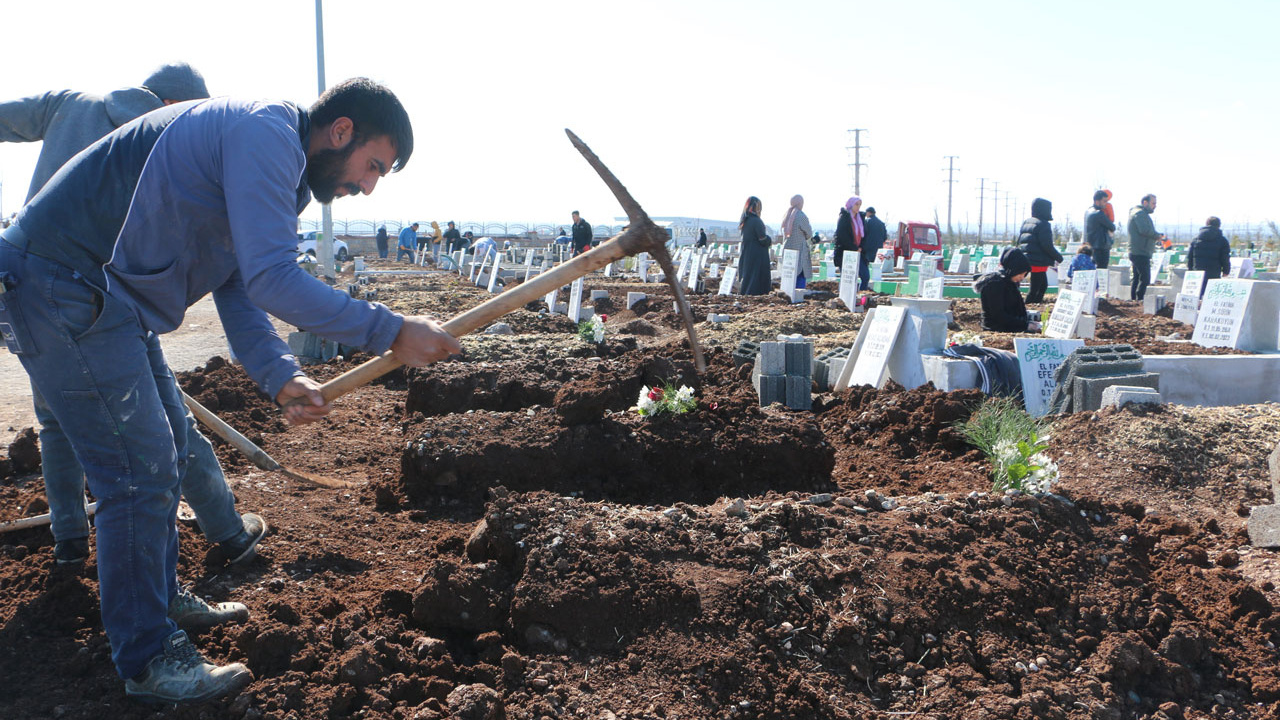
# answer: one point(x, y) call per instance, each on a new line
point(666, 399)
point(592, 331)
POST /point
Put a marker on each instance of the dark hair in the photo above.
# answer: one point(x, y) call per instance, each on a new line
point(750, 207)
point(1147, 198)
point(1085, 249)
point(374, 111)
point(870, 211)
point(575, 212)
point(1213, 221)
point(1100, 195)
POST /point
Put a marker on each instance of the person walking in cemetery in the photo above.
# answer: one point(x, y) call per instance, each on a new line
point(1099, 228)
point(876, 234)
point(1036, 241)
point(1210, 252)
point(1002, 307)
point(381, 240)
point(67, 122)
point(581, 234)
point(1082, 261)
point(1142, 245)
point(209, 191)
point(452, 238)
point(434, 241)
point(702, 238)
point(562, 238)
point(796, 230)
point(754, 270)
point(849, 230)
point(408, 242)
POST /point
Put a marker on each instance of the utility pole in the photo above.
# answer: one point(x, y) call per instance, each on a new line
point(324, 246)
point(1006, 212)
point(857, 147)
point(995, 210)
point(951, 169)
point(982, 198)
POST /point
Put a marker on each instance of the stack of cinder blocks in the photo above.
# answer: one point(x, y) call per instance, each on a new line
point(783, 373)
point(1089, 371)
point(745, 353)
point(828, 366)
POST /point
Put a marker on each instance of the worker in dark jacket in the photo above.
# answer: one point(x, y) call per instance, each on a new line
point(1210, 252)
point(581, 234)
point(1098, 228)
point(871, 243)
point(1002, 306)
point(1036, 242)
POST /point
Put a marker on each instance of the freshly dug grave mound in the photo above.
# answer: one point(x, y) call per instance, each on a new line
point(228, 392)
point(591, 443)
point(903, 441)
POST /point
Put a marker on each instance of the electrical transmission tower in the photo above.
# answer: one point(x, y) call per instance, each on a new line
point(982, 199)
point(951, 170)
point(856, 150)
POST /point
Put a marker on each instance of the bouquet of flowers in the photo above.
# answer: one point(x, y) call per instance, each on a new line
point(964, 337)
point(665, 399)
point(1024, 466)
point(592, 331)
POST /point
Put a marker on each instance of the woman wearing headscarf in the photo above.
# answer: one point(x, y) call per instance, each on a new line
point(1002, 307)
point(796, 229)
point(849, 229)
point(753, 267)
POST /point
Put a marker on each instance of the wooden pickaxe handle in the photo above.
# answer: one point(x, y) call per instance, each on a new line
point(481, 315)
point(256, 455)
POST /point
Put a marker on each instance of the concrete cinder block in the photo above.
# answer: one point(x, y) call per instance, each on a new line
point(633, 298)
point(353, 290)
point(797, 392)
point(772, 359)
point(772, 389)
point(1264, 526)
point(745, 353)
point(1087, 391)
point(798, 358)
point(599, 295)
point(1152, 302)
point(1087, 327)
point(371, 295)
point(1121, 395)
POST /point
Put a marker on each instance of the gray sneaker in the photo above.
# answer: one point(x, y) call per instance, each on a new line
point(192, 613)
point(242, 546)
point(180, 674)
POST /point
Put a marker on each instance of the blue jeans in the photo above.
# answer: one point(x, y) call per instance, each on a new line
point(203, 484)
point(864, 272)
point(101, 379)
point(402, 251)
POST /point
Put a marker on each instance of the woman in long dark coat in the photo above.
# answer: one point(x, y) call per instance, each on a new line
point(754, 266)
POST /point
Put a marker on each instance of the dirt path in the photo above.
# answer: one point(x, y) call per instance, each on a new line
point(199, 339)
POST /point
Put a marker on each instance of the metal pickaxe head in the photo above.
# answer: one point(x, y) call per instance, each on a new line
point(642, 235)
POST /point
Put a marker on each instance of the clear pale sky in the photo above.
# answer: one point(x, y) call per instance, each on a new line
point(697, 104)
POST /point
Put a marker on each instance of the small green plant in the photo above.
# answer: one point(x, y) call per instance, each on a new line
point(1014, 442)
point(665, 399)
point(592, 331)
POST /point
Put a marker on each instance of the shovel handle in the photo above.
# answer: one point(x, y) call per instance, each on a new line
point(477, 317)
point(256, 455)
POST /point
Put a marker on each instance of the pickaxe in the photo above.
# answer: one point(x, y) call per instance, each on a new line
point(641, 235)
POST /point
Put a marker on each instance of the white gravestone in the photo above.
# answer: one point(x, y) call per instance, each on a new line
point(1222, 313)
point(713, 271)
point(1038, 360)
point(1186, 307)
point(477, 271)
point(872, 359)
point(1086, 282)
point(1066, 314)
point(493, 275)
point(575, 300)
point(932, 289)
point(1157, 264)
point(608, 270)
point(849, 279)
point(1193, 282)
point(1241, 267)
point(642, 267)
point(726, 282)
point(551, 298)
point(787, 272)
point(528, 264)
point(959, 263)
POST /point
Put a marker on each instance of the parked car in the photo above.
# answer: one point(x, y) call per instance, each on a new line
point(307, 246)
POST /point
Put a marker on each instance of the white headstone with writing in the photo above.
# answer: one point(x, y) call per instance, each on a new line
point(493, 274)
point(1222, 312)
point(1038, 360)
point(872, 359)
point(959, 263)
point(1086, 282)
point(713, 271)
point(849, 278)
point(1241, 267)
point(575, 300)
point(1193, 282)
point(1185, 308)
point(917, 256)
point(1157, 264)
point(787, 272)
point(726, 282)
point(989, 265)
point(1066, 314)
point(932, 289)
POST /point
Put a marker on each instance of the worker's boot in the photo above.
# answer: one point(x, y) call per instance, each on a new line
point(243, 546)
point(71, 551)
point(192, 613)
point(180, 674)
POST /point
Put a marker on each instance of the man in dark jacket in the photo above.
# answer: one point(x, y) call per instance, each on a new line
point(1210, 252)
point(1002, 306)
point(453, 239)
point(581, 234)
point(381, 240)
point(1097, 230)
point(1142, 245)
point(875, 237)
point(1036, 242)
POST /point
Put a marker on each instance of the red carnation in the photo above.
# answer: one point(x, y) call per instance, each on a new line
point(604, 318)
point(655, 394)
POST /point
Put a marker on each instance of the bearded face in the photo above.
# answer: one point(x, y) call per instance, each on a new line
point(325, 169)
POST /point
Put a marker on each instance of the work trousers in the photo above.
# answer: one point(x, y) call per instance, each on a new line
point(105, 381)
point(1038, 284)
point(1141, 276)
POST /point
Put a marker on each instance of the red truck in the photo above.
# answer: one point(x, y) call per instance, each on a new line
point(913, 236)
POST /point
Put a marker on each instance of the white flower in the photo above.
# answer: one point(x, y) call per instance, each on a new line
point(684, 394)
